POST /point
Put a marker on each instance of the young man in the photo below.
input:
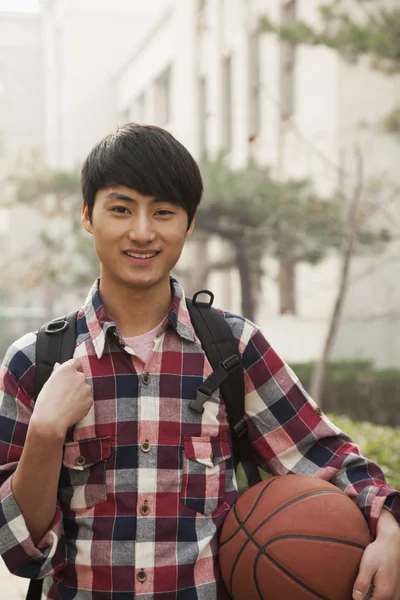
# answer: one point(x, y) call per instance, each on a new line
point(145, 481)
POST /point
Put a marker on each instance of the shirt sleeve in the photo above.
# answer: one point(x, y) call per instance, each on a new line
point(17, 549)
point(291, 434)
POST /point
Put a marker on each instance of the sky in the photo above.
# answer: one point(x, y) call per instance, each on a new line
point(19, 5)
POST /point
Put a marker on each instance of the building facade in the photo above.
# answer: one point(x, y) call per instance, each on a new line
point(207, 74)
point(84, 45)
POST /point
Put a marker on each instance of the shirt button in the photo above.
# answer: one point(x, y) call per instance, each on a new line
point(146, 378)
point(145, 447)
point(145, 509)
point(80, 461)
point(141, 576)
point(318, 411)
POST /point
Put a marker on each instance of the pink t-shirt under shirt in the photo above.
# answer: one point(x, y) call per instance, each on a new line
point(142, 345)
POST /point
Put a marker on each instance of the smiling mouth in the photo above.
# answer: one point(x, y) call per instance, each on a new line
point(142, 256)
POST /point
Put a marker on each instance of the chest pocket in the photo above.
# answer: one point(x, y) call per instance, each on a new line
point(83, 475)
point(203, 473)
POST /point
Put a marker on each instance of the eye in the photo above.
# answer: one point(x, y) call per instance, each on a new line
point(120, 210)
point(164, 213)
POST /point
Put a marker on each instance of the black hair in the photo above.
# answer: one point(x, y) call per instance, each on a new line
point(147, 159)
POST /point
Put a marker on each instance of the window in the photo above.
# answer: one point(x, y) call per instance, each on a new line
point(202, 115)
point(163, 98)
point(254, 85)
point(227, 104)
point(140, 108)
point(288, 60)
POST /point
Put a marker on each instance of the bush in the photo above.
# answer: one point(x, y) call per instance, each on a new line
point(344, 370)
point(380, 444)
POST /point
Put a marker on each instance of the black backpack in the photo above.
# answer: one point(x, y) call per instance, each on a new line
point(56, 343)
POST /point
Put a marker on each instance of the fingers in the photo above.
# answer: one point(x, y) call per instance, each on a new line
point(364, 596)
point(74, 363)
point(364, 579)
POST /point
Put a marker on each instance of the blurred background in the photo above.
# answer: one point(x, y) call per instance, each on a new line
point(291, 107)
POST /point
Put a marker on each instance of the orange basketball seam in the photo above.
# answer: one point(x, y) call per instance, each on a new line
point(250, 513)
point(294, 501)
point(292, 577)
point(304, 536)
point(273, 514)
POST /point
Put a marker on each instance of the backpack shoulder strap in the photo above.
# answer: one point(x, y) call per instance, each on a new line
point(222, 351)
point(55, 343)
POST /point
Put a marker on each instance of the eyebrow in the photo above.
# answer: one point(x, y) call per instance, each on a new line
point(125, 198)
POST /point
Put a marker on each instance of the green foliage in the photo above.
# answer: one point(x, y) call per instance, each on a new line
point(379, 444)
point(370, 29)
point(64, 253)
point(347, 371)
point(51, 191)
point(286, 219)
point(391, 123)
point(366, 28)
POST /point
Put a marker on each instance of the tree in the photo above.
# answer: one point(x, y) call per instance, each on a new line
point(259, 215)
point(354, 219)
point(362, 28)
point(63, 254)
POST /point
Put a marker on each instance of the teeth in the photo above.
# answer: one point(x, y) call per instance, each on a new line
point(141, 255)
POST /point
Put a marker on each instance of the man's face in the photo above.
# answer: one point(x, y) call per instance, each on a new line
point(138, 239)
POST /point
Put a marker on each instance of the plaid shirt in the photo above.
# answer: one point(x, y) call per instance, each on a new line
point(146, 482)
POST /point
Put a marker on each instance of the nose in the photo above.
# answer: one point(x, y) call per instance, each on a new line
point(141, 230)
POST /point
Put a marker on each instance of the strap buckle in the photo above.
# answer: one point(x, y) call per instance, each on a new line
point(240, 427)
point(231, 363)
point(198, 404)
point(57, 326)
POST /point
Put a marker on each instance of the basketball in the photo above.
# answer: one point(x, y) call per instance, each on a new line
point(293, 537)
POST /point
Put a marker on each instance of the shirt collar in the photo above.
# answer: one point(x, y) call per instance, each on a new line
point(99, 323)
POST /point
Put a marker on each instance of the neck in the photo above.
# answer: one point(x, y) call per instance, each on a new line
point(135, 311)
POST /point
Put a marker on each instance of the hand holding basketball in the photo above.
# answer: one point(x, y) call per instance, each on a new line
point(380, 563)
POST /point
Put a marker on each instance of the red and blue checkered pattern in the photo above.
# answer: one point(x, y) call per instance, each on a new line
point(139, 514)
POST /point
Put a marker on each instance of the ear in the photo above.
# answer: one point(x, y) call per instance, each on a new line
point(190, 230)
point(86, 222)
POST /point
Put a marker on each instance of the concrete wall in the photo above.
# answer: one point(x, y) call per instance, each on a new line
point(21, 87)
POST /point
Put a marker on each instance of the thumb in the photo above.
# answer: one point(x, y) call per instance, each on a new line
point(56, 365)
point(363, 583)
